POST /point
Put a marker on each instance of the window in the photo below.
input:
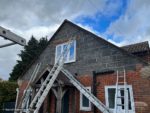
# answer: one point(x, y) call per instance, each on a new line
point(110, 97)
point(85, 104)
point(71, 56)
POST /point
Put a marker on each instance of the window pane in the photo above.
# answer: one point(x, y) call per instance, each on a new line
point(58, 52)
point(85, 101)
point(64, 49)
point(111, 97)
point(122, 99)
point(71, 55)
point(129, 99)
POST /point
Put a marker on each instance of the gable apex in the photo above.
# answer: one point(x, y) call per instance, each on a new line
point(97, 37)
point(64, 31)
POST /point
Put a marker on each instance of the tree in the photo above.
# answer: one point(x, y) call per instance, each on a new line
point(30, 52)
point(42, 43)
point(7, 92)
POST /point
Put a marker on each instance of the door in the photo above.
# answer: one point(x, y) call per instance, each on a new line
point(65, 103)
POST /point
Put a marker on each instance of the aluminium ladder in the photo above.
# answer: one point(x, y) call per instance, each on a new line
point(48, 82)
point(28, 89)
point(86, 92)
point(119, 106)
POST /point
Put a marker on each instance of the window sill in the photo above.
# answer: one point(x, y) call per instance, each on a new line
point(85, 109)
point(68, 62)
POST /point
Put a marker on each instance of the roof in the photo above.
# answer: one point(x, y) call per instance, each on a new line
point(137, 47)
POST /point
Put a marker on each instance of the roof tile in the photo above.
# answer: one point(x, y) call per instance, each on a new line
point(138, 47)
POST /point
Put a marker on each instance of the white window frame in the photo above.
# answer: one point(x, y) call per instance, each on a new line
point(68, 60)
point(81, 102)
point(120, 86)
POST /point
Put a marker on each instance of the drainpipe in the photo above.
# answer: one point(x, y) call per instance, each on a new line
point(94, 89)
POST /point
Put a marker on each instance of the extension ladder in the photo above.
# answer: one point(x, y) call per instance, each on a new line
point(48, 82)
point(119, 106)
point(27, 91)
point(86, 92)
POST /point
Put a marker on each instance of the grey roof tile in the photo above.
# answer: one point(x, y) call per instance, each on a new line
point(137, 47)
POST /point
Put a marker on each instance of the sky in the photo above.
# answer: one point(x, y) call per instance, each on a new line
point(120, 22)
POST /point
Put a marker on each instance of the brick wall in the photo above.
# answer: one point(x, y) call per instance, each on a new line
point(22, 87)
point(140, 86)
point(86, 80)
point(52, 103)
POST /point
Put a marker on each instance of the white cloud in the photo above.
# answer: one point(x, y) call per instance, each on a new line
point(42, 18)
point(134, 25)
point(29, 13)
point(39, 18)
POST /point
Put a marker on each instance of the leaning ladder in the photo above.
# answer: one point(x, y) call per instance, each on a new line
point(86, 92)
point(27, 91)
point(47, 84)
point(121, 80)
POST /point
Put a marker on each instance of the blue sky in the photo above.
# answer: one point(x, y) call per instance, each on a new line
point(99, 21)
point(120, 22)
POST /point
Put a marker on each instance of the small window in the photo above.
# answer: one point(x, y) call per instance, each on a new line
point(71, 56)
point(110, 97)
point(85, 104)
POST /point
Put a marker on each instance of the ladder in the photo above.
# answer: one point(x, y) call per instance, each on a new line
point(121, 80)
point(48, 82)
point(86, 92)
point(28, 89)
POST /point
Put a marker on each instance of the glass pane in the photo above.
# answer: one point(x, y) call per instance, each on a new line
point(122, 99)
point(71, 55)
point(64, 49)
point(85, 101)
point(111, 97)
point(58, 52)
point(129, 99)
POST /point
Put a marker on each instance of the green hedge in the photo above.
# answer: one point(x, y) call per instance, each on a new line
point(7, 92)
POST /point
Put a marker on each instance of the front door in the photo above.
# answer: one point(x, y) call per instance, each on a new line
point(65, 102)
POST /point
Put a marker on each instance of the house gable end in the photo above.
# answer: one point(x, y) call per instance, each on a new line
point(93, 52)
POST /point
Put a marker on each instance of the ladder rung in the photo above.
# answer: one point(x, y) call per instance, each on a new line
point(120, 89)
point(44, 85)
point(121, 76)
point(120, 104)
point(120, 97)
point(121, 82)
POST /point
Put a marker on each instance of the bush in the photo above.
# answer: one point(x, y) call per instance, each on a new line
point(7, 92)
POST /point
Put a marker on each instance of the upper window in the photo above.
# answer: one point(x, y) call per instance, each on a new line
point(85, 104)
point(71, 56)
point(110, 97)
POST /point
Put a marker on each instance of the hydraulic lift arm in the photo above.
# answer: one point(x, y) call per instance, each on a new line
point(7, 34)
